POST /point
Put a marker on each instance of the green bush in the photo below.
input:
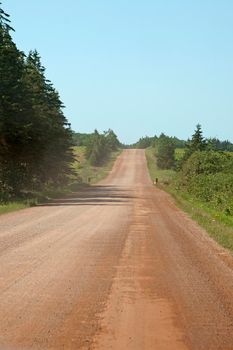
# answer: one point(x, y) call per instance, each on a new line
point(206, 162)
point(208, 176)
point(165, 152)
point(214, 189)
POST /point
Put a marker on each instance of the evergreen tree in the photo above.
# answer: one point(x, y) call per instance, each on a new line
point(51, 131)
point(12, 109)
point(112, 141)
point(35, 136)
point(217, 145)
point(100, 146)
point(197, 143)
point(97, 149)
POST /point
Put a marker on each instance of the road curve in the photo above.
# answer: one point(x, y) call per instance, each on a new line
point(118, 266)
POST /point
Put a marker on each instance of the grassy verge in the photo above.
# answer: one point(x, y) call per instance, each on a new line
point(217, 224)
point(9, 207)
point(87, 175)
point(165, 177)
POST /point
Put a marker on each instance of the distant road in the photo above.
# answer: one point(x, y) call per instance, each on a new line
point(117, 267)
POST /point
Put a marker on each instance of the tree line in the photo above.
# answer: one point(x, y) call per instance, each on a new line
point(147, 141)
point(35, 136)
point(165, 146)
point(98, 146)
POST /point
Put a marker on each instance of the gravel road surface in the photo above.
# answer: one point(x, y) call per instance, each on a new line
point(117, 266)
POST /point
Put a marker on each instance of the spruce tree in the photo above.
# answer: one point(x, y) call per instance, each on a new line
point(197, 143)
point(51, 130)
point(35, 136)
point(12, 110)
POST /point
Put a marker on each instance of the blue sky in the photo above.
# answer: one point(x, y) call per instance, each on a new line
point(140, 67)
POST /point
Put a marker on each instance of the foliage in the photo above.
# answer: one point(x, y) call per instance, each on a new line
point(197, 143)
point(144, 142)
point(206, 162)
point(35, 137)
point(206, 174)
point(164, 176)
point(112, 141)
point(100, 146)
point(214, 218)
point(165, 152)
point(217, 145)
point(180, 144)
point(81, 139)
point(208, 177)
point(88, 173)
point(216, 189)
point(179, 153)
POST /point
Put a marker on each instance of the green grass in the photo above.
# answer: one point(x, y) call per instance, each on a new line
point(179, 152)
point(218, 225)
point(14, 206)
point(88, 173)
point(164, 176)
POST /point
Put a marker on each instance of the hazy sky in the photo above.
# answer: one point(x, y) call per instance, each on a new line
point(139, 67)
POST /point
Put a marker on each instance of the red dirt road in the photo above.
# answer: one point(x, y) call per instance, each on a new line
point(117, 267)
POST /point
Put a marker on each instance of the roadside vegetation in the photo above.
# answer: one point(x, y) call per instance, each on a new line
point(35, 136)
point(95, 154)
point(13, 206)
point(89, 173)
point(84, 175)
point(38, 154)
point(201, 181)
